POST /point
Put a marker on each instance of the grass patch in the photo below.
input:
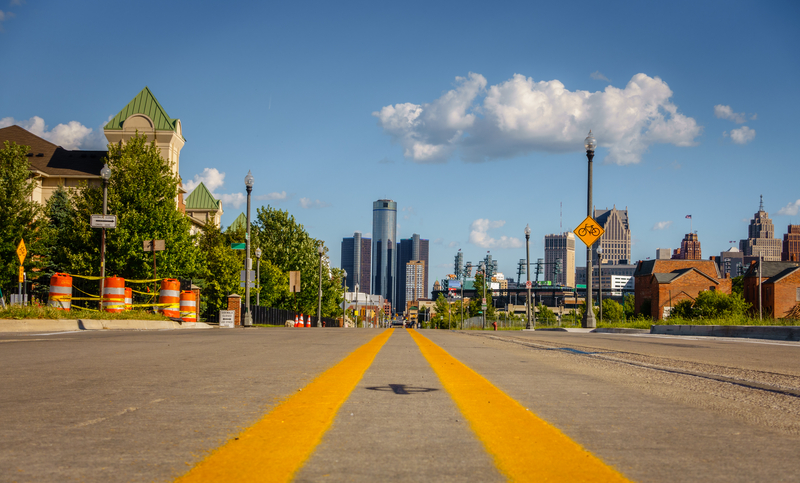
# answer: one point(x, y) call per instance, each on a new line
point(47, 312)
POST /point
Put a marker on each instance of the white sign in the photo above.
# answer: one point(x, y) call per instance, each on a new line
point(242, 275)
point(104, 221)
point(227, 318)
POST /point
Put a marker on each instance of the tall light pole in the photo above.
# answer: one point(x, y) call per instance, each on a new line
point(105, 173)
point(320, 252)
point(344, 299)
point(530, 325)
point(588, 319)
point(356, 326)
point(248, 318)
point(258, 275)
point(600, 281)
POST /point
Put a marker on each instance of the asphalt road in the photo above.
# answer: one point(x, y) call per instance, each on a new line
point(148, 406)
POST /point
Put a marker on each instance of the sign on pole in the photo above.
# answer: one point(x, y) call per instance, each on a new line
point(294, 281)
point(104, 221)
point(252, 284)
point(238, 246)
point(21, 251)
point(589, 231)
point(528, 284)
point(21, 274)
point(149, 245)
point(252, 275)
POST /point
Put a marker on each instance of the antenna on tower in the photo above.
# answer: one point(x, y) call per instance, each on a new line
point(761, 203)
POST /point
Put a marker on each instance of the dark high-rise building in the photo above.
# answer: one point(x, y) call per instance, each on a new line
point(791, 244)
point(357, 262)
point(408, 250)
point(384, 241)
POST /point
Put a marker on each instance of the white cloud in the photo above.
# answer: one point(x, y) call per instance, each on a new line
point(72, 135)
point(236, 199)
point(743, 135)
point(519, 116)
point(452, 244)
point(211, 177)
point(438, 241)
point(725, 112)
point(478, 235)
point(274, 196)
point(308, 203)
point(662, 225)
point(596, 75)
point(791, 209)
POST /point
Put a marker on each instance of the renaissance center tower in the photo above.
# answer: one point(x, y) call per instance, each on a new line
point(384, 241)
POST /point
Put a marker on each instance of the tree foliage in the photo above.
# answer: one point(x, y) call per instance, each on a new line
point(612, 311)
point(475, 304)
point(711, 304)
point(142, 193)
point(545, 316)
point(19, 215)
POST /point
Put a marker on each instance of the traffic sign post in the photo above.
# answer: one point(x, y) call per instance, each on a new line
point(21, 253)
point(154, 246)
point(104, 221)
point(589, 231)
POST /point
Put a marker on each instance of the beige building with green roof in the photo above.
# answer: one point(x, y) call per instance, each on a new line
point(202, 208)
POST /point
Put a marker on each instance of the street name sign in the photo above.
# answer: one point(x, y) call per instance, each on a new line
point(589, 231)
point(238, 246)
point(21, 251)
point(104, 221)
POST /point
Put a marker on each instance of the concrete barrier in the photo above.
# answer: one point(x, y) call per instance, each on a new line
point(790, 333)
point(66, 325)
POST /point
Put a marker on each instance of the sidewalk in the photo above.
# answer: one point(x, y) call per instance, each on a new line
point(66, 325)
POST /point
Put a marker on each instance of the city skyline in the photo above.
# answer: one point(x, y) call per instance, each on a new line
point(442, 122)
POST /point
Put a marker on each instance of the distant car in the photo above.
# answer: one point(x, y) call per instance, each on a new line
point(397, 323)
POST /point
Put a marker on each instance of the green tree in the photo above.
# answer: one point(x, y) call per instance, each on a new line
point(19, 216)
point(630, 306)
point(286, 246)
point(476, 302)
point(545, 316)
point(711, 304)
point(439, 319)
point(142, 193)
point(737, 285)
point(220, 270)
point(612, 311)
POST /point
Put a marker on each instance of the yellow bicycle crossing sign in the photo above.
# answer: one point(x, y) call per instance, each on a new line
point(589, 231)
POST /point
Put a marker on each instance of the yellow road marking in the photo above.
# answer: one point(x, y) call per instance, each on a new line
point(524, 447)
point(274, 448)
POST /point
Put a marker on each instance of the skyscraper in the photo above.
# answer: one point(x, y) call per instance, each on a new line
point(791, 244)
point(357, 262)
point(384, 239)
point(408, 250)
point(761, 237)
point(690, 248)
point(560, 246)
point(414, 278)
point(616, 241)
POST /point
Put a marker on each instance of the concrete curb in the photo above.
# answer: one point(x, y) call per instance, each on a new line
point(620, 330)
point(746, 331)
point(66, 325)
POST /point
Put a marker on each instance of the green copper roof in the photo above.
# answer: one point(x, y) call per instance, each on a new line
point(201, 199)
point(144, 103)
point(239, 222)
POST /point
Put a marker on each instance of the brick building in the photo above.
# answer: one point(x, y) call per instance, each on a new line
point(780, 287)
point(663, 283)
point(791, 244)
point(690, 248)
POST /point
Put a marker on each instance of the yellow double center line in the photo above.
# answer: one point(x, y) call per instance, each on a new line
point(524, 447)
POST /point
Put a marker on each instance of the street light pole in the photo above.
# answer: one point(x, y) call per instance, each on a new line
point(600, 281)
point(258, 275)
point(530, 325)
point(588, 319)
point(356, 326)
point(105, 173)
point(248, 318)
point(320, 251)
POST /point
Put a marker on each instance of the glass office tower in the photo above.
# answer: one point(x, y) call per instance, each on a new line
point(384, 239)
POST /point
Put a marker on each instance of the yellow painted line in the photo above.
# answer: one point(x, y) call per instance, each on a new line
point(524, 446)
point(274, 448)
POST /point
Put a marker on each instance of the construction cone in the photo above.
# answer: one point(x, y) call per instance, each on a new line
point(295, 320)
point(308, 321)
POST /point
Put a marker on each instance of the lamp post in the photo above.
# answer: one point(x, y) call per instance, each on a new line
point(248, 318)
point(344, 299)
point(600, 281)
point(105, 173)
point(530, 325)
point(320, 252)
point(356, 323)
point(258, 275)
point(588, 319)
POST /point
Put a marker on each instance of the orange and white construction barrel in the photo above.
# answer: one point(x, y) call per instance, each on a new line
point(188, 306)
point(60, 295)
point(170, 294)
point(128, 298)
point(114, 294)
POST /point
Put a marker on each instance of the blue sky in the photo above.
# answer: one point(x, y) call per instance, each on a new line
point(470, 115)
